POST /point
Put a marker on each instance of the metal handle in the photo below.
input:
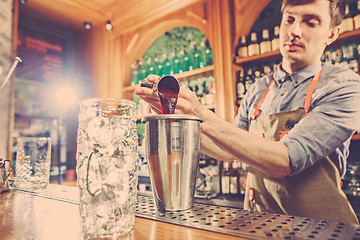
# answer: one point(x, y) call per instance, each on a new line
point(17, 60)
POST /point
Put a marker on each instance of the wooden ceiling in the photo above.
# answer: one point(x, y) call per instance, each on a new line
point(125, 15)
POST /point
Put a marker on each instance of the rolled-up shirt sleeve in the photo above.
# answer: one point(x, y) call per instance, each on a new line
point(327, 129)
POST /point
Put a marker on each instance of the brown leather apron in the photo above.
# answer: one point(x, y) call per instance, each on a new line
point(314, 193)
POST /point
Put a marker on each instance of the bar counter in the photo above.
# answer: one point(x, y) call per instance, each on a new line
point(54, 214)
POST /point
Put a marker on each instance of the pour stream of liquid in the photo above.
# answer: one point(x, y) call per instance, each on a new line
point(168, 102)
point(168, 90)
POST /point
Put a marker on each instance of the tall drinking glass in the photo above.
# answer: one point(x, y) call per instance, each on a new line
point(32, 167)
point(107, 166)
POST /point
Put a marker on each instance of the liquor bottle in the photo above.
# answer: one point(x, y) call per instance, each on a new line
point(195, 57)
point(240, 85)
point(257, 74)
point(265, 44)
point(357, 16)
point(202, 52)
point(186, 61)
point(210, 96)
point(175, 63)
point(201, 90)
point(266, 69)
point(206, 53)
point(164, 65)
point(155, 65)
point(337, 56)
point(242, 178)
point(253, 47)
point(348, 52)
point(275, 39)
point(205, 86)
point(347, 23)
point(249, 79)
point(183, 60)
point(326, 57)
point(234, 177)
point(209, 56)
point(192, 84)
point(242, 49)
point(225, 179)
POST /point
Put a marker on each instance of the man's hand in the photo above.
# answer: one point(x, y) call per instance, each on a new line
point(187, 102)
point(148, 94)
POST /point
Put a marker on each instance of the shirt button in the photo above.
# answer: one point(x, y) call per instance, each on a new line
point(282, 94)
point(296, 82)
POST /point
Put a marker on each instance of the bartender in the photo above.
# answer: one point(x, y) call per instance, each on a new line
point(293, 128)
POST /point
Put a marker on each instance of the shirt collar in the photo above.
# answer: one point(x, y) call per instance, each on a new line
point(298, 76)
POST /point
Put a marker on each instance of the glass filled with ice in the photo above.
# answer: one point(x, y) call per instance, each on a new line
point(107, 166)
point(32, 167)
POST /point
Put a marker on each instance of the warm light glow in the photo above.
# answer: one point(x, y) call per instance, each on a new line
point(65, 96)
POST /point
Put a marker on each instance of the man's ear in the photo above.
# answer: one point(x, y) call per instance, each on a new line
point(334, 34)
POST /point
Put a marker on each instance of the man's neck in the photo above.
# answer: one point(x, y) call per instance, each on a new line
point(290, 67)
point(293, 67)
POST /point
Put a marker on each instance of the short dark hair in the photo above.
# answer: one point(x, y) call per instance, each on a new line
point(337, 9)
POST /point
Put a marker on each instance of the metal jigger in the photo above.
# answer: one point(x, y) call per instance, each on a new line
point(165, 82)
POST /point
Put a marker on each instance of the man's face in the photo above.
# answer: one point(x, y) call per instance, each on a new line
point(304, 33)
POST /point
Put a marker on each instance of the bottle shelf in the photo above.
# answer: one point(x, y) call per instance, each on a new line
point(260, 57)
point(344, 37)
point(194, 72)
point(180, 76)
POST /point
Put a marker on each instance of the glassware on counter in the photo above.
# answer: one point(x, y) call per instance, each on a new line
point(32, 167)
point(107, 166)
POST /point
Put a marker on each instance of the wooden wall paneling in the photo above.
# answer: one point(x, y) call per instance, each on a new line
point(114, 68)
point(246, 13)
point(99, 54)
point(82, 60)
point(227, 35)
point(221, 33)
point(118, 66)
point(161, 9)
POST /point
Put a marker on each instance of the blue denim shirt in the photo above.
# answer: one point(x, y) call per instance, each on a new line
point(334, 114)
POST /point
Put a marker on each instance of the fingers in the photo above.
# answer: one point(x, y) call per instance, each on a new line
point(188, 103)
point(152, 78)
point(144, 92)
point(156, 109)
point(186, 93)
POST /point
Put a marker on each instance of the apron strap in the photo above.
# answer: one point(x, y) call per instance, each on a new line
point(307, 104)
point(310, 92)
point(257, 109)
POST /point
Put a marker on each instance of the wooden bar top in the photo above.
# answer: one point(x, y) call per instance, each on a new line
point(27, 216)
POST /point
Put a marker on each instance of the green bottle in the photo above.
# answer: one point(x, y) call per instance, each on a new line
point(176, 68)
point(195, 58)
point(166, 65)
